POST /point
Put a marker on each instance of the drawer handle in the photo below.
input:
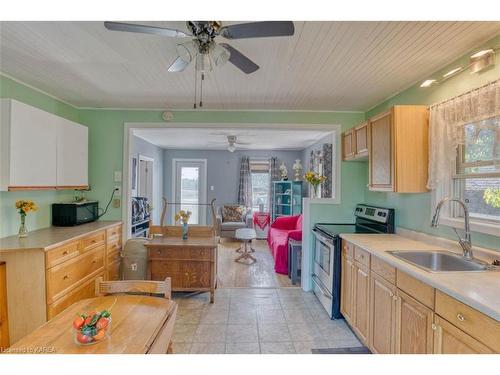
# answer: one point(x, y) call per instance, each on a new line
point(93, 262)
point(65, 277)
point(93, 241)
point(65, 252)
point(460, 317)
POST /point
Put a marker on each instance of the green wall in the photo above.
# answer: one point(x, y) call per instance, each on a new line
point(414, 210)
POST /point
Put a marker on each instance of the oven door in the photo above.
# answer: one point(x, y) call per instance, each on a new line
point(323, 260)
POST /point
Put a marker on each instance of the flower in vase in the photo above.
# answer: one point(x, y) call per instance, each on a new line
point(183, 216)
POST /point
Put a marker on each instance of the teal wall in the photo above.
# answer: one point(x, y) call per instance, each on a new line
point(414, 210)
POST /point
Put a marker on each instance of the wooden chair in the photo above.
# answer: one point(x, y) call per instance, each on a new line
point(103, 288)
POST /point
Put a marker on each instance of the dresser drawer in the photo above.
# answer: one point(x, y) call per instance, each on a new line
point(383, 269)
point(417, 289)
point(478, 325)
point(114, 247)
point(348, 249)
point(362, 256)
point(66, 276)
point(61, 254)
point(114, 232)
point(93, 240)
point(86, 290)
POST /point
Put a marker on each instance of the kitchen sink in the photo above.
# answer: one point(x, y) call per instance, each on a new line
point(440, 261)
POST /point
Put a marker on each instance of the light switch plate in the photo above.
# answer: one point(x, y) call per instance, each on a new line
point(118, 176)
point(116, 203)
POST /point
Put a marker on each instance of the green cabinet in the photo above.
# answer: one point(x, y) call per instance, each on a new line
point(286, 198)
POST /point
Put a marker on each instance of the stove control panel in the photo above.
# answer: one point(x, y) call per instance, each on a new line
point(382, 215)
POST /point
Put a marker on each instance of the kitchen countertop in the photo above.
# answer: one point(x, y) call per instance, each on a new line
point(480, 290)
point(48, 238)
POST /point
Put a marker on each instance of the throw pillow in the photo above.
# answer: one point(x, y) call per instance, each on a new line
point(233, 213)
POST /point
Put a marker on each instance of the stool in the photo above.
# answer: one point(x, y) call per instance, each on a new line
point(245, 235)
point(294, 260)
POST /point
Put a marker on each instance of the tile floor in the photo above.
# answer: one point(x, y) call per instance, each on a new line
point(256, 320)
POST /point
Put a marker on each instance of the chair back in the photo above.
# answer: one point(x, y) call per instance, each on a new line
point(103, 288)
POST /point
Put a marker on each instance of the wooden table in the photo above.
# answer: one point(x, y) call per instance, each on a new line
point(191, 264)
point(140, 325)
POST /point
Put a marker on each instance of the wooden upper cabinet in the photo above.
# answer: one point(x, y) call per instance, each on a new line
point(382, 315)
point(448, 339)
point(398, 150)
point(348, 150)
point(414, 334)
point(361, 140)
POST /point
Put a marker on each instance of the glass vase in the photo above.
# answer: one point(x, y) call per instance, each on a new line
point(23, 232)
point(184, 231)
point(315, 191)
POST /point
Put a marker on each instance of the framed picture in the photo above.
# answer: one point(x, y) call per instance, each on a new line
point(134, 173)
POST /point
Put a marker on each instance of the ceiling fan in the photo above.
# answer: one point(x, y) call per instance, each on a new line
point(202, 47)
point(232, 141)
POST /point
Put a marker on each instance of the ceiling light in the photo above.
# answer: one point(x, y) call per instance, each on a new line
point(219, 54)
point(203, 62)
point(231, 147)
point(453, 71)
point(482, 53)
point(186, 51)
point(427, 82)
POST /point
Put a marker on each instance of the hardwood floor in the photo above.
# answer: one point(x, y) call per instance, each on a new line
point(240, 275)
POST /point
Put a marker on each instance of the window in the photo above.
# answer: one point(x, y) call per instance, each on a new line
point(259, 170)
point(477, 176)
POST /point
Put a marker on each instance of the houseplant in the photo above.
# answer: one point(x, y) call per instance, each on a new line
point(314, 179)
point(183, 217)
point(24, 206)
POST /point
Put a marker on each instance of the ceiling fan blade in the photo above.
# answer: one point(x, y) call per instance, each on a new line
point(258, 29)
point(178, 65)
point(240, 60)
point(143, 29)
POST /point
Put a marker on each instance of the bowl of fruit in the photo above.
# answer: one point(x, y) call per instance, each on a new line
point(91, 328)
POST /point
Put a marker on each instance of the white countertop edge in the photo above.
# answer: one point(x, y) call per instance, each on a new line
point(426, 277)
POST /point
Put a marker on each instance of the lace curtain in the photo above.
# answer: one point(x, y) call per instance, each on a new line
point(478, 109)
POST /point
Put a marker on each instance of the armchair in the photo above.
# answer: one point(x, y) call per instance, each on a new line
point(227, 223)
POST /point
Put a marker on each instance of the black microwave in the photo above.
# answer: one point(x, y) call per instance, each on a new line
point(76, 213)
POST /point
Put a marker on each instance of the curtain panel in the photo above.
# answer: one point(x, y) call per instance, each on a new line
point(326, 186)
point(245, 185)
point(274, 175)
point(458, 121)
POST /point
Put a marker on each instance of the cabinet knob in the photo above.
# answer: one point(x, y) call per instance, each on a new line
point(460, 317)
point(394, 297)
point(65, 277)
point(434, 327)
point(65, 252)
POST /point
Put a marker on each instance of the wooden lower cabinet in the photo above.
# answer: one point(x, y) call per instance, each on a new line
point(361, 301)
point(4, 322)
point(346, 293)
point(414, 320)
point(448, 339)
point(382, 315)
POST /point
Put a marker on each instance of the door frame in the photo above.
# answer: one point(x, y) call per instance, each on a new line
point(334, 128)
point(204, 189)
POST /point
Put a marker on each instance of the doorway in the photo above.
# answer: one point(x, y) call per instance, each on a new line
point(190, 188)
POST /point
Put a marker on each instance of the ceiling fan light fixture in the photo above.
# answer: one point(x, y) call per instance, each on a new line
point(203, 62)
point(220, 55)
point(231, 148)
point(186, 51)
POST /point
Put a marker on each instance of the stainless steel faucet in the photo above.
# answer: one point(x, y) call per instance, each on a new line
point(465, 242)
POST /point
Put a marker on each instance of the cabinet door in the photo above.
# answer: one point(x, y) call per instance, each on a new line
point(361, 301)
point(346, 293)
point(381, 161)
point(348, 145)
point(4, 323)
point(360, 140)
point(33, 145)
point(72, 154)
point(413, 326)
point(382, 315)
point(448, 339)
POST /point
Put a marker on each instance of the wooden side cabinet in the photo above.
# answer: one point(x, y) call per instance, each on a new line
point(382, 315)
point(4, 322)
point(448, 339)
point(398, 149)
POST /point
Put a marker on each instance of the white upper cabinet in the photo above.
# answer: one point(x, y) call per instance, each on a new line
point(40, 150)
point(72, 155)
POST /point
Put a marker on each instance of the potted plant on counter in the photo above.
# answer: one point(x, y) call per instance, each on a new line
point(24, 206)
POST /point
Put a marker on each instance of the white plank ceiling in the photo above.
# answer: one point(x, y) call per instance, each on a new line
point(324, 66)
